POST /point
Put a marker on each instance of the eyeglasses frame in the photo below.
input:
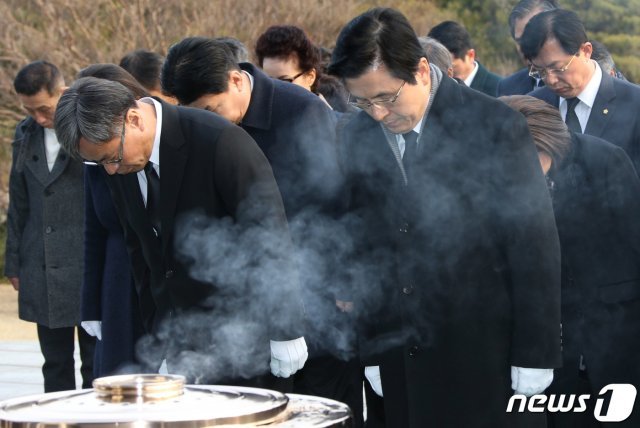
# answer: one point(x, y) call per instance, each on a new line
point(291, 79)
point(545, 72)
point(367, 105)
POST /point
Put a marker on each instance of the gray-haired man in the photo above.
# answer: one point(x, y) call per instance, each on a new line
point(215, 183)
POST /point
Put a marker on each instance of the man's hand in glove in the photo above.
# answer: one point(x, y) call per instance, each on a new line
point(372, 373)
point(288, 357)
point(93, 328)
point(530, 382)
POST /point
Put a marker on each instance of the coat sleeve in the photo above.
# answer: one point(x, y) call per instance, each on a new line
point(249, 191)
point(532, 250)
point(95, 241)
point(18, 207)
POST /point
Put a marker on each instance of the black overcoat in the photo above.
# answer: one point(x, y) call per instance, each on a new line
point(456, 275)
point(201, 288)
point(596, 199)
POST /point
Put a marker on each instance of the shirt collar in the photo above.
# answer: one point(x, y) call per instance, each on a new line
point(589, 93)
point(155, 152)
point(471, 76)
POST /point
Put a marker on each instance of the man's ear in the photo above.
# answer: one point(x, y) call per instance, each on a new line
point(471, 54)
point(134, 119)
point(235, 79)
point(587, 49)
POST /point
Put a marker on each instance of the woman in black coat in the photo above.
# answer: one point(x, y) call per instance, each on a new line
point(109, 301)
point(596, 199)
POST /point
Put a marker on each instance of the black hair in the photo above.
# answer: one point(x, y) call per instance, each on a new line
point(197, 66)
point(145, 66)
point(117, 74)
point(380, 35)
point(36, 76)
point(453, 36)
point(562, 25)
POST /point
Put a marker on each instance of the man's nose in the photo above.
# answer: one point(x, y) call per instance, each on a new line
point(111, 168)
point(41, 119)
point(550, 79)
point(378, 113)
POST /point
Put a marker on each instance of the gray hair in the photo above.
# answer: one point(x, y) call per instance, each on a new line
point(436, 53)
point(92, 109)
point(238, 49)
point(526, 7)
point(603, 57)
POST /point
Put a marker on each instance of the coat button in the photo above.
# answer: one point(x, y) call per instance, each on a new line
point(413, 351)
point(48, 192)
point(48, 230)
point(404, 228)
point(168, 274)
point(408, 289)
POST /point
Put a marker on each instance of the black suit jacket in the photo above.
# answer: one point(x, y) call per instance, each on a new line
point(296, 131)
point(518, 83)
point(485, 81)
point(457, 274)
point(222, 222)
point(614, 115)
point(596, 200)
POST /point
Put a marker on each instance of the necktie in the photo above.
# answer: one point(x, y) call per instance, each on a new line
point(410, 149)
point(571, 118)
point(153, 196)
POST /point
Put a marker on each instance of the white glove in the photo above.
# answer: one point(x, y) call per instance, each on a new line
point(372, 373)
point(530, 382)
point(93, 328)
point(287, 357)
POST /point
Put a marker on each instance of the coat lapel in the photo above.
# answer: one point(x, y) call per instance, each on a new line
point(173, 158)
point(603, 107)
point(58, 167)
point(36, 158)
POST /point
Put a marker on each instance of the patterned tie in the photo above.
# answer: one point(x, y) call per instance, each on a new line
point(153, 197)
point(571, 118)
point(410, 149)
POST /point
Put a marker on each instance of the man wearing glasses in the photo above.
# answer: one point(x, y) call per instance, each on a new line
point(455, 267)
point(44, 258)
point(207, 248)
point(590, 101)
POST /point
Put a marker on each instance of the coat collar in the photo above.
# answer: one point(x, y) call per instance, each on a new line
point(36, 157)
point(260, 109)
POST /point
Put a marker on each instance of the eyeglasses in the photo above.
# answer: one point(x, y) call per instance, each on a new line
point(381, 103)
point(120, 151)
point(290, 79)
point(543, 73)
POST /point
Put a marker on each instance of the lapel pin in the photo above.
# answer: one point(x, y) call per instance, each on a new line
point(605, 111)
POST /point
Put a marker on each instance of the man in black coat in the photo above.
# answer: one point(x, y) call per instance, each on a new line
point(208, 252)
point(296, 131)
point(465, 67)
point(455, 262)
point(556, 43)
point(520, 83)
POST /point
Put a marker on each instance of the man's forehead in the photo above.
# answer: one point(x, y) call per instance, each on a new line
point(39, 99)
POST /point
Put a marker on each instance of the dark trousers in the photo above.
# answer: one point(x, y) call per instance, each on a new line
point(57, 346)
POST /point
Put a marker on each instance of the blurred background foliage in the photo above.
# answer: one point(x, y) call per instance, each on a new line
point(75, 33)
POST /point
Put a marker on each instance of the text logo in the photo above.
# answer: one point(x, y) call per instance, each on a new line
point(614, 403)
